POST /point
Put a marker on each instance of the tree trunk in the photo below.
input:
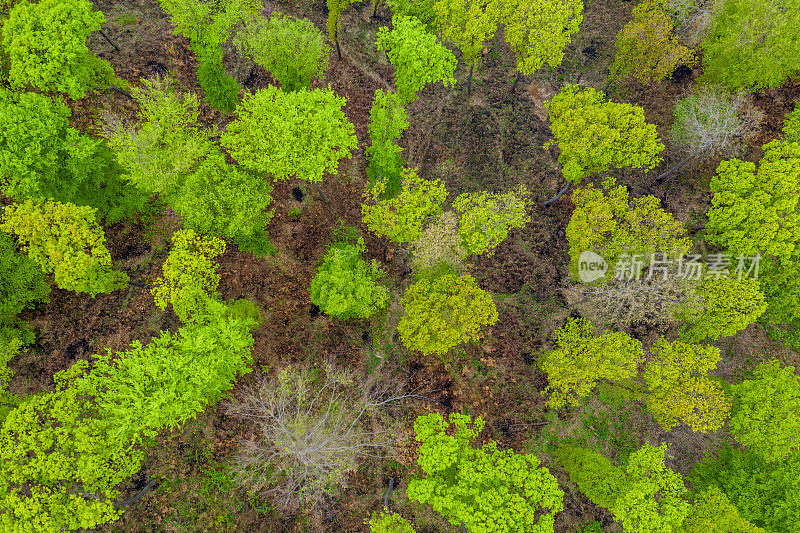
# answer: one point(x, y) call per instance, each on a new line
point(514, 86)
point(109, 40)
point(663, 176)
point(324, 198)
point(375, 8)
point(153, 483)
point(469, 80)
point(463, 527)
point(557, 196)
point(386, 496)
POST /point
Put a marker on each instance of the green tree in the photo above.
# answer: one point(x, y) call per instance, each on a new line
point(417, 56)
point(539, 31)
point(647, 49)
point(303, 133)
point(420, 9)
point(765, 493)
point(387, 121)
point(757, 211)
point(147, 388)
point(607, 222)
point(726, 306)
point(766, 411)
point(444, 312)
point(58, 466)
point(644, 495)
point(188, 274)
point(55, 236)
point(439, 248)
point(44, 157)
point(468, 23)
point(753, 44)
point(595, 135)
point(401, 218)
point(23, 282)
point(582, 358)
point(46, 44)
point(171, 157)
point(680, 388)
point(713, 512)
point(651, 498)
point(345, 285)
point(485, 489)
point(486, 218)
point(292, 50)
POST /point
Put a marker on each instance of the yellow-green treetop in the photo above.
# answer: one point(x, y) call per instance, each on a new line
point(594, 135)
point(647, 50)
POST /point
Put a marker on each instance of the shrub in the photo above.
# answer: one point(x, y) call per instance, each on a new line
point(221, 90)
point(387, 522)
point(439, 247)
point(22, 282)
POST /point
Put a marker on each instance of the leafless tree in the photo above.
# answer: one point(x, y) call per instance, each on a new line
point(313, 425)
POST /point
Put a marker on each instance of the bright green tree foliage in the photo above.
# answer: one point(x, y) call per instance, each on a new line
point(467, 23)
point(538, 31)
point(680, 389)
point(582, 358)
point(46, 43)
point(487, 489)
point(56, 236)
point(345, 285)
point(387, 121)
point(766, 413)
point(443, 312)
point(713, 512)
point(647, 49)
point(44, 157)
point(645, 496)
point(188, 274)
point(765, 493)
point(292, 50)
point(386, 522)
point(171, 379)
point(757, 211)
point(651, 498)
point(608, 223)
point(208, 23)
point(727, 306)
point(22, 282)
point(595, 475)
point(54, 445)
point(486, 218)
point(171, 157)
point(417, 56)
point(303, 133)
point(595, 135)
point(753, 44)
point(401, 218)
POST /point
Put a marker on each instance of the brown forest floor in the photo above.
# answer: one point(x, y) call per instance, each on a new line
point(489, 140)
